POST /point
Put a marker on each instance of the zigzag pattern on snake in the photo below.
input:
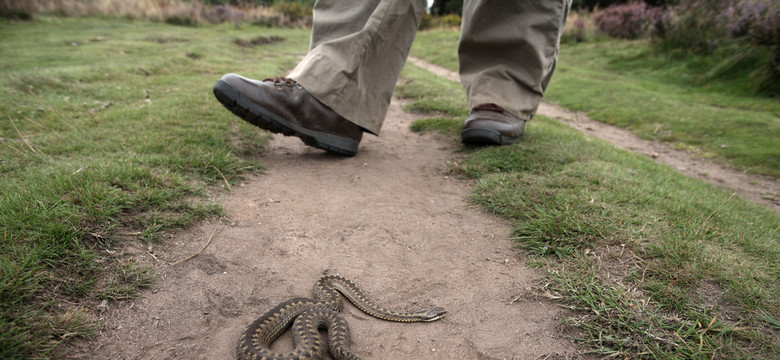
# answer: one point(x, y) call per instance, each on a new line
point(309, 315)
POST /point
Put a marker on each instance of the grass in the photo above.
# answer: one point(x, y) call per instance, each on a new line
point(110, 133)
point(696, 104)
point(652, 264)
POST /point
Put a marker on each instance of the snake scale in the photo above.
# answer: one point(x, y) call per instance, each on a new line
point(307, 316)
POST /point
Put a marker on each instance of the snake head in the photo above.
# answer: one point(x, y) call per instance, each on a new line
point(432, 314)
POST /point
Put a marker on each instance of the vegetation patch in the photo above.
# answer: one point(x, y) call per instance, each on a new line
point(701, 104)
point(258, 41)
point(654, 264)
point(111, 135)
point(166, 40)
point(284, 13)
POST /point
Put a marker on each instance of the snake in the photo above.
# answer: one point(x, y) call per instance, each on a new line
point(308, 315)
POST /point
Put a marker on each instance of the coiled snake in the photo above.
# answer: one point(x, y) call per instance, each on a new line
point(310, 315)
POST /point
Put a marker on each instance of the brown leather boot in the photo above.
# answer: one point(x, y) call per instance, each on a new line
point(281, 105)
point(489, 124)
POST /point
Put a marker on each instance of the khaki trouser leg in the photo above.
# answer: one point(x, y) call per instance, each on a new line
point(358, 49)
point(508, 51)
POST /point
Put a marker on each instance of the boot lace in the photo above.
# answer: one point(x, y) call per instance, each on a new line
point(280, 82)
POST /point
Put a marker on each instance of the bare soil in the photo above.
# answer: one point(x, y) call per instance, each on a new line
point(391, 219)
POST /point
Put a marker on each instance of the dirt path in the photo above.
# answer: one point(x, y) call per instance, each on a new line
point(754, 188)
point(389, 218)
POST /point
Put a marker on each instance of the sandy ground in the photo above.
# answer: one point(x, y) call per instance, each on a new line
point(392, 220)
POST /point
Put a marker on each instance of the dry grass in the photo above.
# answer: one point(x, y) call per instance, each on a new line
point(579, 27)
point(178, 12)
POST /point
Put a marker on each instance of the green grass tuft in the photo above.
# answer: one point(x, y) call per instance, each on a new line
point(447, 102)
point(110, 127)
point(442, 125)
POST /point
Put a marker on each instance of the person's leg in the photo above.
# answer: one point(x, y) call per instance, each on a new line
point(343, 86)
point(507, 53)
point(353, 69)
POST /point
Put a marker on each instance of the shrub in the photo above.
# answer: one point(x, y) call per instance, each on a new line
point(425, 21)
point(450, 20)
point(177, 12)
point(575, 34)
point(579, 27)
point(593, 4)
point(748, 30)
point(445, 7)
point(293, 10)
point(436, 22)
point(766, 32)
point(757, 20)
point(692, 26)
point(185, 16)
point(15, 11)
point(629, 21)
point(696, 22)
point(225, 13)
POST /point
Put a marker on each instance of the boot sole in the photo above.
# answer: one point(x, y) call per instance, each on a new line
point(250, 112)
point(486, 137)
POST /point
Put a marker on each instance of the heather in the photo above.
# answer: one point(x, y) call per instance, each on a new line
point(744, 35)
point(628, 21)
point(728, 40)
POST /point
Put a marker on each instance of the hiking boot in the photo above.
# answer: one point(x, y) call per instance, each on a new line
point(490, 124)
point(283, 106)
